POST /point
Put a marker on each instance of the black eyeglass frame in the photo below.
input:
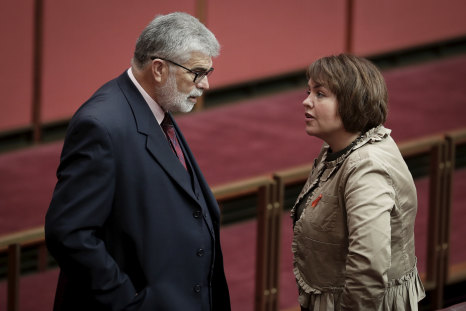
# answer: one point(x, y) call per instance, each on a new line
point(198, 76)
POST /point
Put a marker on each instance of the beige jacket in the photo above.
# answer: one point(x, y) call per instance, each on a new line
point(355, 237)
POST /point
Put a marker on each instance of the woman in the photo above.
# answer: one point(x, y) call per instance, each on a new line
point(353, 240)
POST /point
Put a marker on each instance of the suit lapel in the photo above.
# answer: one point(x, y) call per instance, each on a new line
point(156, 142)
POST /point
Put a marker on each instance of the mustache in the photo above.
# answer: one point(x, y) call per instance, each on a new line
point(196, 93)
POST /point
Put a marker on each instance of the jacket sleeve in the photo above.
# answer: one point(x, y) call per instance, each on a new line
point(369, 198)
point(81, 203)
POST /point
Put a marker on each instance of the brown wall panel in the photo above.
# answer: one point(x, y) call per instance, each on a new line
point(16, 63)
point(87, 43)
point(389, 25)
point(262, 39)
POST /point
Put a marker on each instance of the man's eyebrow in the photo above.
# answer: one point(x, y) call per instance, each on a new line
point(200, 69)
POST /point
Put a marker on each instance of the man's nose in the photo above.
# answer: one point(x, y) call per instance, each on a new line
point(203, 83)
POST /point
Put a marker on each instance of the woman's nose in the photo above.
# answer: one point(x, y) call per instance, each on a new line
point(308, 102)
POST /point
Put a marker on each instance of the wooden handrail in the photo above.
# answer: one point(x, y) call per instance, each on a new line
point(423, 145)
point(223, 192)
point(268, 241)
point(22, 238)
point(458, 136)
point(240, 188)
point(294, 175)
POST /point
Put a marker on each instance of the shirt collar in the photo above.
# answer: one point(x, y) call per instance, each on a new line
point(158, 112)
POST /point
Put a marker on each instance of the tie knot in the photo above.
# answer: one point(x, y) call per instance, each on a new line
point(169, 130)
point(166, 122)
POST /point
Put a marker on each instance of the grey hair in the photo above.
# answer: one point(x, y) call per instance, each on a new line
point(174, 36)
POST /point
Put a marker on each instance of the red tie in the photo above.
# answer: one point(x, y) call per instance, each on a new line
point(169, 130)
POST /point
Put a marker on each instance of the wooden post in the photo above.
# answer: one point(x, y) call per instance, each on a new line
point(42, 257)
point(275, 248)
point(349, 26)
point(263, 187)
point(454, 139)
point(201, 11)
point(434, 247)
point(444, 234)
point(282, 179)
point(201, 14)
point(263, 212)
point(37, 75)
point(13, 277)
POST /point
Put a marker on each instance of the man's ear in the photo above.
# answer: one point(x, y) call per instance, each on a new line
point(159, 70)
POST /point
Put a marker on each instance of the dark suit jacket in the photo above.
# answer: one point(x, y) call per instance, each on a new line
point(127, 218)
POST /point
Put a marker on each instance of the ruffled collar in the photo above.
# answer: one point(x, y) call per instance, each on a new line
point(331, 155)
point(323, 163)
point(373, 135)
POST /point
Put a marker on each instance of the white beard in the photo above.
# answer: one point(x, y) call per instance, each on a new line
point(174, 101)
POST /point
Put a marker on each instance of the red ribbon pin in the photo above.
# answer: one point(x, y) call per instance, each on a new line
point(314, 203)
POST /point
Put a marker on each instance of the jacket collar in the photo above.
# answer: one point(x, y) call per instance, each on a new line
point(323, 169)
point(156, 142)
point(375, 134)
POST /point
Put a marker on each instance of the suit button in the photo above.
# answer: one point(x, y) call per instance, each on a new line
point(200, 252)
point(197, 214)
point(197, 288)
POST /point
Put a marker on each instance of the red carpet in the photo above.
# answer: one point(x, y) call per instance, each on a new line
point(257, 137)
point(37, 292)
point(254, 137)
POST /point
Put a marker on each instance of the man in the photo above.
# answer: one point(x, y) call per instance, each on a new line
point(132, 222)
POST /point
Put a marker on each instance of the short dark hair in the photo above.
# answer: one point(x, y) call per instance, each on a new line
point(359, 87)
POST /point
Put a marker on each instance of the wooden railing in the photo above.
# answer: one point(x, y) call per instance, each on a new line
point(12, 244)
point(434, 148)
point(455, 140)
point(268, 232)
point(270, 193)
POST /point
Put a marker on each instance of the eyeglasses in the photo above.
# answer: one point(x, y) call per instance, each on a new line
point(198, 75)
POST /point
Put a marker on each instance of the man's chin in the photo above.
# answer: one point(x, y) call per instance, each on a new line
point(186, 107)
point(179, 107)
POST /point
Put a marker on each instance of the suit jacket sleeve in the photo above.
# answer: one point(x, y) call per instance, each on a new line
point(81, 203)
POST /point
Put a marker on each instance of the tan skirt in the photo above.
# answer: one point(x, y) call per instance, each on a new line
point(401, 294)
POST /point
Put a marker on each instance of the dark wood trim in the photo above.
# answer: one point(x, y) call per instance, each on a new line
point(37, 74)
point(14, 253)
point(349, 26)
point(201, 14)
point(201, 11)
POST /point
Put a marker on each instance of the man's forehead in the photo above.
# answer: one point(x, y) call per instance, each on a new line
point(200, 59)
